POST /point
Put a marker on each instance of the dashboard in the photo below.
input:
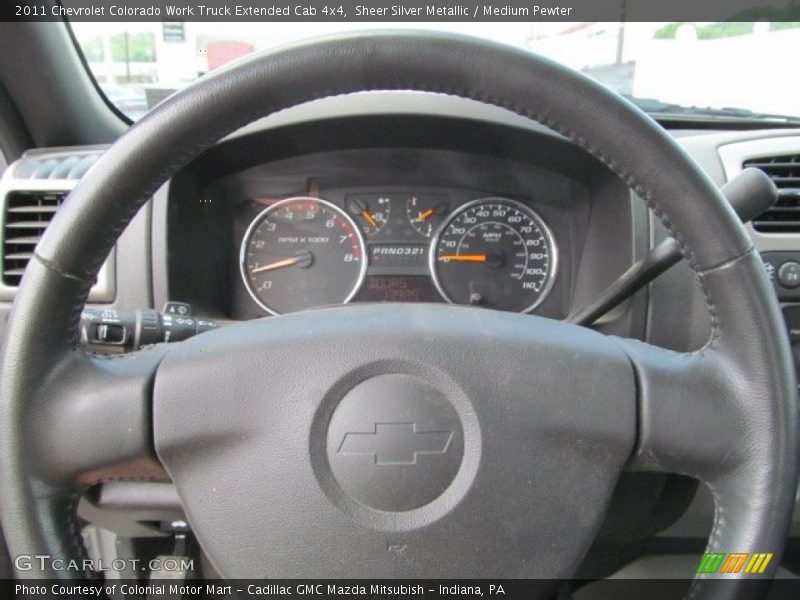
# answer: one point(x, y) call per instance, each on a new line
point(485, 220)
point(351, 232)
point(396, 245)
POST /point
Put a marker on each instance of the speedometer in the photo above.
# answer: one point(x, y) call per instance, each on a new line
point(496, 253)
point(301, 253)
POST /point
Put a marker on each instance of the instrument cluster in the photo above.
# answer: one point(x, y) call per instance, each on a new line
point(368, 245)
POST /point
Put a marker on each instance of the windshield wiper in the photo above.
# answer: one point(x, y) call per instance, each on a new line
point(665, 109)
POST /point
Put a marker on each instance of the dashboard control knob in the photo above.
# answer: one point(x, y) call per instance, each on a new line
point(789, 274)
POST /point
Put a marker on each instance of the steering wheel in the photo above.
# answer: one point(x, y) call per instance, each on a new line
point(393, 440)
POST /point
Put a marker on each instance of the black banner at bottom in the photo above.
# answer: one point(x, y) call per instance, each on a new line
point(427, 589)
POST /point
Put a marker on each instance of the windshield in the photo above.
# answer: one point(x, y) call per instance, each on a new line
point(707, 70)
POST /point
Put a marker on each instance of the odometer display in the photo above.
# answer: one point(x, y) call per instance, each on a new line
point(495, 253)
point(302, 253)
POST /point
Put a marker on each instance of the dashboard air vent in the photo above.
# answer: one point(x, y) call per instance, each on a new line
point(784, 217)
point(27, 215)
point(59, 166)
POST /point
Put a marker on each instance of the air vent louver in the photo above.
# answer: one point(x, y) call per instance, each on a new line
point(27, 215)
point(67, 166)
point(784, 217)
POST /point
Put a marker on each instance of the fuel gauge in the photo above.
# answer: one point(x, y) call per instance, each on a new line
point(425, 212)
point(371, 211)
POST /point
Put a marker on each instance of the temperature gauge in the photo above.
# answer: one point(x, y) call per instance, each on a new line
point(425, 212)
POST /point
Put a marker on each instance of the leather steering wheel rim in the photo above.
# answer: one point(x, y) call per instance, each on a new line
point(742, 381)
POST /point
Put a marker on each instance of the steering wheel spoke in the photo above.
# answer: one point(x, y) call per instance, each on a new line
point(726, 413)
point(91, 420)
point(690, 420)
point(723, 408)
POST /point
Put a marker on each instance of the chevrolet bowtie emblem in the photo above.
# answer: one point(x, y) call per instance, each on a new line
point(395, 443)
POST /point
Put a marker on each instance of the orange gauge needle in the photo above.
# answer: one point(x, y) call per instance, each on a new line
point(426, 215)
point(369, 218)
point(301, 259)
point(286, 262)
point(477, 258)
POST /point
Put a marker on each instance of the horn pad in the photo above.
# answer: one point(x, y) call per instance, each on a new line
point(395, 441)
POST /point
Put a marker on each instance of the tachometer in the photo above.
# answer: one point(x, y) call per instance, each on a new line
point(496, 253)
point(301, 253)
